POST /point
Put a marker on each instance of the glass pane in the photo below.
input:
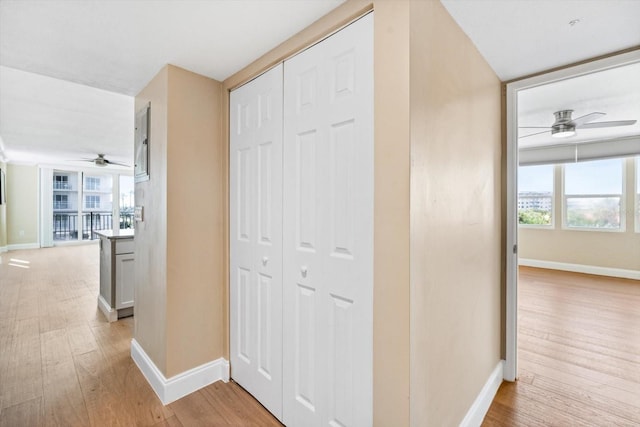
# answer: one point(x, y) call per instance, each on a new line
point(97, 204)
point(65, 205)
point(596, 177)
point(127, 202)
point(593, 212)
point(535, 195)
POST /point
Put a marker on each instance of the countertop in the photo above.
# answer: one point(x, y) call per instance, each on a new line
point(116, 234)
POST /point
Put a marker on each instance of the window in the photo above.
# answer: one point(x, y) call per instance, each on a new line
point(61, 182)
point(91, 202)
point(535, 195)
point(60, 201)
point(593, 194)
point(92, 183)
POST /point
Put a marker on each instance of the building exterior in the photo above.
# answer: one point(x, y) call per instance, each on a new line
point(93, 213)
point(535, 200)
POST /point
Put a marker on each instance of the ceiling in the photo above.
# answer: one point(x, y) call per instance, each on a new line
point(522, 37)
point(69, 68)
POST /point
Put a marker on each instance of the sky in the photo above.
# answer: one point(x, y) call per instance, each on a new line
point(595, 177)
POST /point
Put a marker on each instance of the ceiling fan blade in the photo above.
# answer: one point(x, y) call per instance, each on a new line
point(534, 127)
point(531, 134)
point(587, 118)
point(607, 124)
point(118, 164)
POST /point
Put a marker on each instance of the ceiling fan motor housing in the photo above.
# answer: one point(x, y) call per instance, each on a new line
point(563, 126)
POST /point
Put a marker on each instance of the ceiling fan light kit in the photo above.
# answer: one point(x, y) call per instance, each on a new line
point(564, 126)
point(563, 131)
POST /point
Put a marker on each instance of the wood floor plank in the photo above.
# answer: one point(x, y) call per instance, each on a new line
point(237, 406)
point(28, 413)
point(195, 410)
point(22, 378)
point(169, 422)
point(81, 339)
point(64, 403)
point(102, 398)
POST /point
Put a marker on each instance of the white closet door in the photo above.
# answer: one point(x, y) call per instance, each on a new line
point(328, 231)
point(256, 238)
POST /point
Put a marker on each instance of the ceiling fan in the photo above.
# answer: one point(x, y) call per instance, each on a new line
point(565, 126)
point(102, 161)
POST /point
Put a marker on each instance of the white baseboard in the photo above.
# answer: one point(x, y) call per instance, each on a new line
point(3, 249)
point(21, 246)
point(172, 389)
point(110, 313)
point(483, 401)
point(581, 268)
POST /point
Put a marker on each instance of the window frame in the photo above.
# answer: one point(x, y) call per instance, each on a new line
point(94, 198)
point(621, 197)
point(91, 183)
point(61, 204)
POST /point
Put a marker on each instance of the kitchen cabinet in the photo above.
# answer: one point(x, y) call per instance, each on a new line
point(116, 273)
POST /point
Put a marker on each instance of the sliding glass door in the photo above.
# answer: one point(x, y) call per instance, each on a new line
point(83, 202)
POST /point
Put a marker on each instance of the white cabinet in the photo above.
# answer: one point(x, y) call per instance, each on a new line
point(116, 274)
point(124, 280)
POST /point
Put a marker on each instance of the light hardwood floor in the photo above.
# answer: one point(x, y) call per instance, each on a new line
point(579, 353)
point(62, 364)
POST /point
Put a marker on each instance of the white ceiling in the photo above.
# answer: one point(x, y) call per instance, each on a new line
point(97, 54)
point(51, 121)
point(522, 37)
point(118, 46)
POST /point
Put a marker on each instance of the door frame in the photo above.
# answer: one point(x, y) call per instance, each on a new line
point(512, 89)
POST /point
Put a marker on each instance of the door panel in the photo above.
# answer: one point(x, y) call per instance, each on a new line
point(256, 238)
point(328, 231)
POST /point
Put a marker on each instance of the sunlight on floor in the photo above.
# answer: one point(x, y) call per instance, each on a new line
point(14, 262)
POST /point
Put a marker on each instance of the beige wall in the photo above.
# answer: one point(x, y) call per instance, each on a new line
point(151, 234)
point(455, 218)
point(179, 246)
point(196, 176)
point(22, 204)
point(3, 216)
point(619, 250)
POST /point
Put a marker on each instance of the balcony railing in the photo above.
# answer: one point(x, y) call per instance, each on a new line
point(65, 225)
point(126, 220)
point(61, 185)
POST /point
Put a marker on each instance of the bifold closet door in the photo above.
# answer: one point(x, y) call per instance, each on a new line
point(328, 231)
point(255, 238)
